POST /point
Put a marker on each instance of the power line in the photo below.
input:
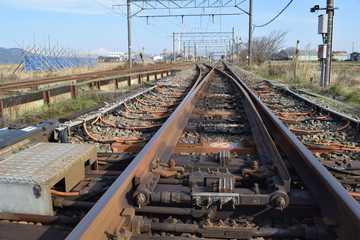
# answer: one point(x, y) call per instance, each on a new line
point(263, 25)
point(106, 7)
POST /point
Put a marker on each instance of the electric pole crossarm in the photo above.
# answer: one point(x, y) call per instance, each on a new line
point(134, 15)
point(189, 15)
point(185, 4)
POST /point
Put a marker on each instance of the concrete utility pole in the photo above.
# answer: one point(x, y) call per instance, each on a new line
point(238, 49)
point(232, 46)
point(330, 11)
point(250, 34)
point(129, 32)
point(194, 52)
point(173, 60)
point(184, 49)
point(297, 53)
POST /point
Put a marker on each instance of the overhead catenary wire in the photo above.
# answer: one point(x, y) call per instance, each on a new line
point(105, 6)
point(263, 25)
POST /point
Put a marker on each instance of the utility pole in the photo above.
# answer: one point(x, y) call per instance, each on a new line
point(189, 50)
point(229, 51)
point(129, 32)
point(232, 46)
point(330, 11)
point(327, 33)
point(173, 47)
point(250, 34)
point(297, 53)
point(238, 49)
point(194, 52)
point(184, 49)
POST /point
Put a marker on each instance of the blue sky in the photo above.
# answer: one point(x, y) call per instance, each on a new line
point(93, 24)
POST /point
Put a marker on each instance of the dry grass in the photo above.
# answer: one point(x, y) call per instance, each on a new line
point(345, 78)
point(347, 73)
point(7, 75)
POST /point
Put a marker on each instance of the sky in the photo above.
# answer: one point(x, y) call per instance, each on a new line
point(94, 24)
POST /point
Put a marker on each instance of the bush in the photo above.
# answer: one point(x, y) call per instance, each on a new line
point(335, 90)
point(354, 96)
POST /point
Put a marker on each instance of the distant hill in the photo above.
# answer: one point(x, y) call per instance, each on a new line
point(10, 55)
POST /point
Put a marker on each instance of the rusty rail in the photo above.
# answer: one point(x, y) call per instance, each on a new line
point(116, 208)
point(107, 213)
point(340, 209)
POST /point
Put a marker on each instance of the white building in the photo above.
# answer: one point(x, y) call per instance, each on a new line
point(116, 54)
point(158, 58)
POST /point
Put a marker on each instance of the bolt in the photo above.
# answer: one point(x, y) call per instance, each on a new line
point(140, 199)
point(279, 202)
point(198, 201)
point(234, 202)
point(209, 201)
point(221, 201)
point(254, 165)
point(172, 163)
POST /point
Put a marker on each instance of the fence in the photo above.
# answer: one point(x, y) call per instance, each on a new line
point(41, 63)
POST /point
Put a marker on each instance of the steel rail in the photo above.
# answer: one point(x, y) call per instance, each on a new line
point(105, 216)
point(340, 210)
point(264, 144)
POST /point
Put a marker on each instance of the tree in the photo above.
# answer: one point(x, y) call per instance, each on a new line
point(263, 48)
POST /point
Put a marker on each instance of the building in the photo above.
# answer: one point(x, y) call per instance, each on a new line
point(116, 54)
point(158, 58)
point(355, 56)
point(340, 56)
point(282, 55)
point(309, 55)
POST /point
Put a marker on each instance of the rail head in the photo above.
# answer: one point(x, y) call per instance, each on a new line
point(337, 206)
point(111, 210)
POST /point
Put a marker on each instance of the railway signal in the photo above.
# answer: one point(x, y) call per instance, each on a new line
point(327, 34)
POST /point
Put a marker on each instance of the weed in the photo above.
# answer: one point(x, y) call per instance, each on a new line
point(345, 77)
point(354, 98)
point(58, 109)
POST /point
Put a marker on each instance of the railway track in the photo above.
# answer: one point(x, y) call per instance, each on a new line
point(67, 207)
point(134, 120)
point(200, 156)
point(6, 87)
point(195, 177)
point(332, 137)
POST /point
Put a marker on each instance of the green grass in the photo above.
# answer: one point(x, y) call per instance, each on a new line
point(56, 110)
point(354, 98)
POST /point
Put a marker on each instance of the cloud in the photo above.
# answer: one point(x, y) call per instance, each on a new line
point(63, 6)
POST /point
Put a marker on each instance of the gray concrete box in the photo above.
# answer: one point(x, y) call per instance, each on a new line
point(27, 177)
